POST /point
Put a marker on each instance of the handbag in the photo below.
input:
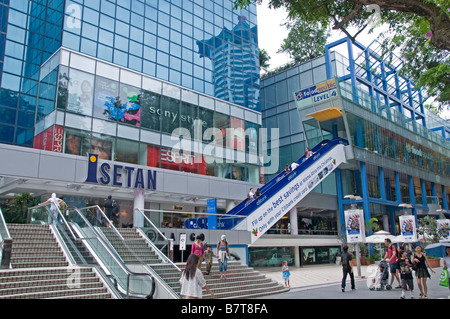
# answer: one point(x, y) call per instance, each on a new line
point(414, 266)
point(444, 278)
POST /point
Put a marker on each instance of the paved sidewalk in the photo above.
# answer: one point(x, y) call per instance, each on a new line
point(324, 282)
point(314, 275)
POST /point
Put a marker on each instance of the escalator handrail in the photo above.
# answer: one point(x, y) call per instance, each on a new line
point(104, 244)
point(167, 259)
point(116, 258)
point(278, 181)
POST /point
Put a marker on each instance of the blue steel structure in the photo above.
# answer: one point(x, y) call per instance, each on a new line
point(378, 75)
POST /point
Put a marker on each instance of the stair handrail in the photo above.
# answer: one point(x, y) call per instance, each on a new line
point(5, 243)
point(158, 251)
point(110, 251)
point(117, 258)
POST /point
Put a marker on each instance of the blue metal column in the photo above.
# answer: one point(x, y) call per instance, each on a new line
point(398, 192)
point(365, 191)
point(444, 198)
point(424, 192)
point(340, 197)
point(412, 195)
point(381, 183)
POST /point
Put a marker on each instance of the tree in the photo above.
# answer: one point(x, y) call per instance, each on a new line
point(263, 59)
point(344, 13)
point(422, 61)
point(419, 33)
point(305, 40)
point(427, 226)
point(16, 209)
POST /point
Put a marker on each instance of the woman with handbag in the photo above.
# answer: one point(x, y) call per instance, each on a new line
point(421, 267)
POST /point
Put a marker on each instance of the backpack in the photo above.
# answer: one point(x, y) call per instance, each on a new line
point(62, 206)
point(116, 207)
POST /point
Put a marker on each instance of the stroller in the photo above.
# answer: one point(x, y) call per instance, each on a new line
point(380, 281)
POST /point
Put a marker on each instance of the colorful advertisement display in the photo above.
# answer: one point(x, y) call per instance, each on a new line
point(317, 93)
point(272, 206)
point(354, 225)
point(443, 227)
point(408, 228)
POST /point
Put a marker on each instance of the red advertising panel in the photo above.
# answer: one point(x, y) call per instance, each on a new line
point(171, 159)
point(50, 140)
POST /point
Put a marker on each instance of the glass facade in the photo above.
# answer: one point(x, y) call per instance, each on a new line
point(401, 153)
point(187, 43)
point(202, 45)
point(125, 116)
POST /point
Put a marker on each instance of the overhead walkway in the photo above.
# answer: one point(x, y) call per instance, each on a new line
point(285, 191)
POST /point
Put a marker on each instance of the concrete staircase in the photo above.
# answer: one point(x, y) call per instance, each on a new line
point(40, 269)
point(241, 281)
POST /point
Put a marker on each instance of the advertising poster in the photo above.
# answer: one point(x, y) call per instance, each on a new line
point(317, 93)
point(106, 92)
point(443, 226)
point(273, 206)
point(80, 92)
point(408, 228)
point(354, 225)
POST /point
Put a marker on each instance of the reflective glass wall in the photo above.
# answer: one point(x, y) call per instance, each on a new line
point(202, 45)
point(88, 106)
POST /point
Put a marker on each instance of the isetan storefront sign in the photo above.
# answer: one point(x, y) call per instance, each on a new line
point(119, 175)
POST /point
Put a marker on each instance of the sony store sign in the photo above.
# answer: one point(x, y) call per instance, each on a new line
point(119, 175)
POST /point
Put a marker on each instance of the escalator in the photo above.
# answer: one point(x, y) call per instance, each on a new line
point(283, 192)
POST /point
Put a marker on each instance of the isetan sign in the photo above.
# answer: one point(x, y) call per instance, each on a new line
point(119, 175)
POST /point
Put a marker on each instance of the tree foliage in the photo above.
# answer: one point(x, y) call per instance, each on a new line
point(15, 210)
point(305, 41)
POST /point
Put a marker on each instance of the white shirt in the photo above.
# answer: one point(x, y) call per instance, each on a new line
point(294, 165)
point(193, 287)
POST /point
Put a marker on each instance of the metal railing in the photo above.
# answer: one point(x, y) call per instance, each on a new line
point(79, 227)
point(5, 244)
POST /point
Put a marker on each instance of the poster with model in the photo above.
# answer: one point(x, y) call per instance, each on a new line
point(408, 228)
point(80, 92)
point(443, 228)
point(354, 225)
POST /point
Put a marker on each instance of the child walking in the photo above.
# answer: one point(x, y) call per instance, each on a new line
point(208, 259)
point(286, 274)
point(404, 267)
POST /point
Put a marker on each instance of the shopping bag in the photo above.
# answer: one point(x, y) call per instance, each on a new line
point(444, 278)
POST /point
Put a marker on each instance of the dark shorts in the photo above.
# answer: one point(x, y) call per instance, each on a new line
point(393, 268)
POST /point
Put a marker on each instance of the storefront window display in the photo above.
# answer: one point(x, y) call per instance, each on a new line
point(102, 146)
point(105, 98)
point(80, 92)
point(319, 255)
point(270, 256)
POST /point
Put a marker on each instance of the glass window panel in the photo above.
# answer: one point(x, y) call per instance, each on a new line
point(151, 111)
point(126, 151)
point(76, 142)
point(80, 92)
point(6, 133)
point(170, 119)
point(106, 101)
point(130, 105)
point(106, 37)
point(7, 116)
point(105, 52)
point(102, 145)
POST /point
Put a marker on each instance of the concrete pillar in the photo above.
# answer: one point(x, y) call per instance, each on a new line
point(139, 202)
point(293, 221)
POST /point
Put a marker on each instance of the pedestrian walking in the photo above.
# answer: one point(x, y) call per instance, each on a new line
point(54, 207)
point(404, 267)
point(208, 259)
point(198, 249)
point(192, 281)
point(347, 268)
point(391, 256)
point(112, 210)
point(223, 253)
point(286, 274)
point(422, 273)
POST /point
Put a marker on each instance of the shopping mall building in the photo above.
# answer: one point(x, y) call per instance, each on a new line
point(160, 104)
